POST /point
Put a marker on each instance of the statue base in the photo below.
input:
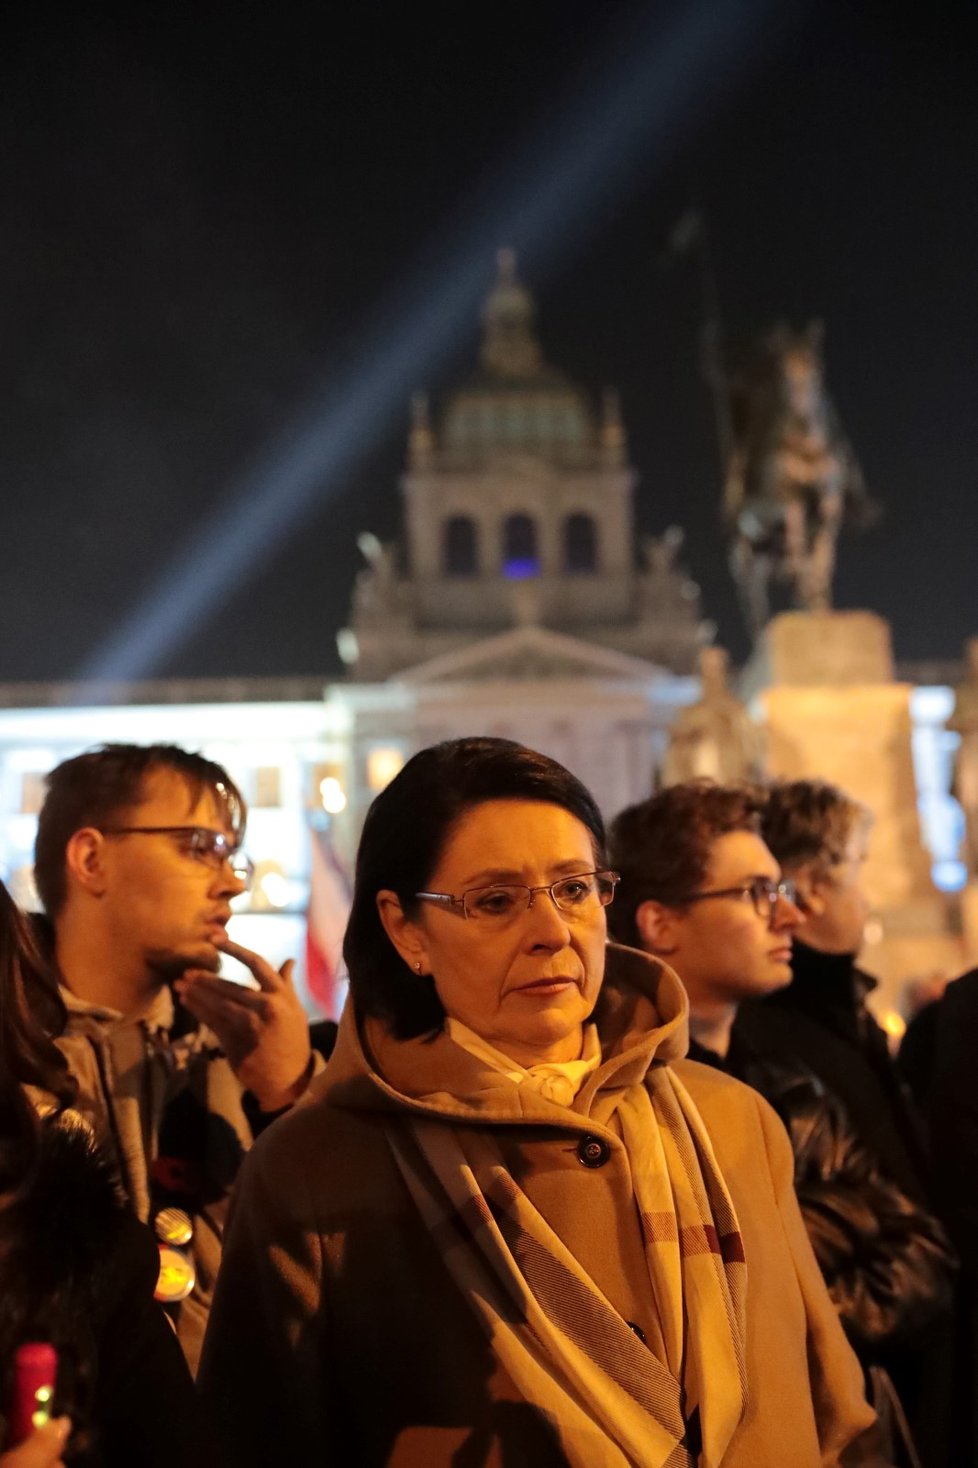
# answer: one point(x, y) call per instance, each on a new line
point(823, 684)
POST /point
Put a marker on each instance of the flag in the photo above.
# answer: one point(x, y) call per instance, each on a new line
point(326, 915)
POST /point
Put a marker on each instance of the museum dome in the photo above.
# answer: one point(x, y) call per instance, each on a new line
point(516, 402)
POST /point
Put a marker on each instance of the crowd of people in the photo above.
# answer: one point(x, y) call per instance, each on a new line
point(608, 1162)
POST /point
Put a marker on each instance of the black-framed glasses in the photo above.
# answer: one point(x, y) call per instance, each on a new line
point(762, 892)
point(213, 848)
point(578, 895)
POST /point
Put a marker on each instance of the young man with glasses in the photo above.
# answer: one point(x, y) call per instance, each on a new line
point(702, 890)
point(137, 861)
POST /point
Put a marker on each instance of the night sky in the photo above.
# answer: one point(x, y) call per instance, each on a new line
point(216, 225)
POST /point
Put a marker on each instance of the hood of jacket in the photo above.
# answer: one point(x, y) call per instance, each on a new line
point(128, 1070)
point(642, 1020)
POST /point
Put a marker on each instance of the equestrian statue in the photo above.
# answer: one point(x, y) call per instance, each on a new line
point(792, 480)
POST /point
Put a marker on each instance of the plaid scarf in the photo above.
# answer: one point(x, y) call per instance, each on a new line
point(566, 1349)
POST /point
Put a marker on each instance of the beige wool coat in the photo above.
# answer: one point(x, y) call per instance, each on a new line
point(338, 1336)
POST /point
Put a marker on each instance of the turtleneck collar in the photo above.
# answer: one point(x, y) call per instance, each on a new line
point(827, 986)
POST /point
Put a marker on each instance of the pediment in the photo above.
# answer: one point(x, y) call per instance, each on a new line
point(527, 653)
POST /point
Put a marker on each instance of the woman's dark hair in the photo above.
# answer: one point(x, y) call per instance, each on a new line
point(403, 837)
point(31, 1012)
point(37, 1286)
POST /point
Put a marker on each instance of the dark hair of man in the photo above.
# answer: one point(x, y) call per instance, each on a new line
point(403, 837)
point(810, 821)
point(661, 846)
point(30, 1013)
point(97, 789)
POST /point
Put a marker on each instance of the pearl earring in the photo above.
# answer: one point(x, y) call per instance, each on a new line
point(417, 965)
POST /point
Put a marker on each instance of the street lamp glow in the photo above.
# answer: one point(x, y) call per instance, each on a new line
point(332, 795)
point(382, 765)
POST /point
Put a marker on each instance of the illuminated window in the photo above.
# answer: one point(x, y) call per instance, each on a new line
point(268, 786)
point(31, 792)
point(327, 788)
point(383, 763)
point(520, 555)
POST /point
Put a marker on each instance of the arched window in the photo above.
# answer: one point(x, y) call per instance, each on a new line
point(520, 556)
point(459, 553)
point(580, 544)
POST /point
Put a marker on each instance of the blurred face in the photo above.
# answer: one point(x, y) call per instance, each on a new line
point(166, 906)
point(524, 983)
point(721, 947)
point(835, 906)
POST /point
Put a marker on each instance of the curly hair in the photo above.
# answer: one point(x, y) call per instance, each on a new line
point(810, 821)
point(661, 846)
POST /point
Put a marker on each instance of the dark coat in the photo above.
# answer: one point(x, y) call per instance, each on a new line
point(80, 1274)
point(822, 1020)
point(953, 1124)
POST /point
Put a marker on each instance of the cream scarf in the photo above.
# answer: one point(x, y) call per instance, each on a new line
point(557, 1081)
point(567, 1350)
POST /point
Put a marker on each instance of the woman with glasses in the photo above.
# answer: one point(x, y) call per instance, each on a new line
point(516, 1227)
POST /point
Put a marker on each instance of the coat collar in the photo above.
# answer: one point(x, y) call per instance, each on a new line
point(641, 1017)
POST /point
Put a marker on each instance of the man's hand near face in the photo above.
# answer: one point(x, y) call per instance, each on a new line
point(264, 1032)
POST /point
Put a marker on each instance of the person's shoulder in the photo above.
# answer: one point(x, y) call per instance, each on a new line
point(953, 1026)
point(316, 1142)
point(961, 994)
point(779, 1028)
point(323, 1164)
point(738, 1119)
point(707, 1085)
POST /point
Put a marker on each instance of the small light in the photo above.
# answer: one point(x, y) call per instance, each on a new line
point(873, 932)
point(949, 876)
point(382, 765)
point(894, 1024)
point(275, 889)
point(333, 798)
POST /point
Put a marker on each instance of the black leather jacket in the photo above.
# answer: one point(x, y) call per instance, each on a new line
point(886, 1261)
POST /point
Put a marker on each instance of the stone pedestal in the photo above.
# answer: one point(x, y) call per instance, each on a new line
point(824, 685)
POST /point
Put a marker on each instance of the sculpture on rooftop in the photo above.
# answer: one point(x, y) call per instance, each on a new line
point(714, 738)
point(792, 479)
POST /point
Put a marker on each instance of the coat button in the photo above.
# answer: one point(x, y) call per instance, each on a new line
point(593, 1151)
point(637, 1329)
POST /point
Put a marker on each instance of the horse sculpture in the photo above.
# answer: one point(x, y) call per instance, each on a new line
point(792, 478)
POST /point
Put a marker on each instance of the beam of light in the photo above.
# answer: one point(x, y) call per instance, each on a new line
point(644, 100)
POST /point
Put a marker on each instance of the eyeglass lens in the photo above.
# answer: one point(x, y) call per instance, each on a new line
point(569, 895)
